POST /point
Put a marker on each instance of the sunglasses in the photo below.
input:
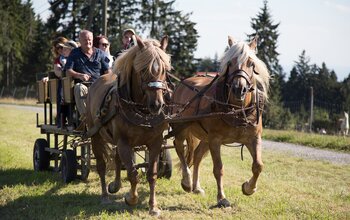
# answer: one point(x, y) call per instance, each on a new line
point(104, 44)
point(59, 47)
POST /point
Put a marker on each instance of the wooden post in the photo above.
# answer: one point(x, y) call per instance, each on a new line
point(14, 92)
point(311, 107)
point(2, 91)
point(27, 90)
point(104, 17)
point(90, 15)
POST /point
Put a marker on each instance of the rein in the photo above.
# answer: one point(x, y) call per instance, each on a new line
point(226, 111)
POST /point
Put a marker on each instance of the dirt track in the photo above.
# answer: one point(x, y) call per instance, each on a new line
point(308, 152)
point(296, 150)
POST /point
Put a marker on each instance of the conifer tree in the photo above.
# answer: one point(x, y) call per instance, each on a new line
point(265, 28)
point(160, 18)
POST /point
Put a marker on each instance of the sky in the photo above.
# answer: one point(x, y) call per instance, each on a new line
point(320, 27)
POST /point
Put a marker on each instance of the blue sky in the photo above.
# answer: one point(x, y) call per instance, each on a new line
point(320, 27)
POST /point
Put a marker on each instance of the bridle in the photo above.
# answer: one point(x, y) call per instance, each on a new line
point(154, 85)
point(239, 73)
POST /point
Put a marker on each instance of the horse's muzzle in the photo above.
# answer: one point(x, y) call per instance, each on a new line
point(156, 107)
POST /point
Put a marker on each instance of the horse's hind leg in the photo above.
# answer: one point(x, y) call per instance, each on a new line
point(125, 154)
point(200, 152)
point(115, 186)
point(249, 187)
point(186, 181)
point(98, 149)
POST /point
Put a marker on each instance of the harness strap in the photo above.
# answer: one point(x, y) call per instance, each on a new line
point(103, 118)
point(100, 122)
point(199, 94)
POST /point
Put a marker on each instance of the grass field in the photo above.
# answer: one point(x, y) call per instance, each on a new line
point(289, 187)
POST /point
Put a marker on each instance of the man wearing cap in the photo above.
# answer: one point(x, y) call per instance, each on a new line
point(85, 64)
point(128, 40)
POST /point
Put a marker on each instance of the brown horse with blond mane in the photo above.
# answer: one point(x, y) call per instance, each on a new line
point(227, 109)
point(125, 109)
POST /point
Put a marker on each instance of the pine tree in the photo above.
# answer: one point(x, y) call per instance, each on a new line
point(160, 18)
point(19, 29)
point(264, 27)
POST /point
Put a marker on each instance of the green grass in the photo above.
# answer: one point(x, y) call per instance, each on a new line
point(288, 188)
point(339, 143)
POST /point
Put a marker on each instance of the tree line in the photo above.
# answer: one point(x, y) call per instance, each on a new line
point(25, 51)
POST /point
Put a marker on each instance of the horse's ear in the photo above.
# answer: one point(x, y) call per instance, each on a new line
point(164, 42)
point(231, 41)
point(254, 43)
point(139, 41)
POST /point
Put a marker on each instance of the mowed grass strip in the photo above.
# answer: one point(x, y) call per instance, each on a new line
point(288, 188)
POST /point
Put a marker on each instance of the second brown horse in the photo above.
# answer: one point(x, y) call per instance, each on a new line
point(227, 109)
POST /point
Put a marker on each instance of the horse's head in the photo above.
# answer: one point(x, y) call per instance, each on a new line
point(240, 67)
point(150, 65)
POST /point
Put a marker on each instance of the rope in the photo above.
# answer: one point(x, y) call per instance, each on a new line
point(239, 145)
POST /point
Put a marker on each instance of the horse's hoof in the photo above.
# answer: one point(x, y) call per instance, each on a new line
point(199, 191)
point(186, 187)
point(154, 212)
point(247, 192)
point(129, 200)
point(114, 187)
point(223, 203)
point(106, 201)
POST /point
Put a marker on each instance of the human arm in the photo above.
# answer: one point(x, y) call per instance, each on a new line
point(57, 68)
point(82, 76)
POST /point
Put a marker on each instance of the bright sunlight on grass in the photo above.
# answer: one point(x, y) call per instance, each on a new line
point(288, 188)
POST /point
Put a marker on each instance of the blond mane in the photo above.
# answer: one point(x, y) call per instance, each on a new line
point(242, 52)
point(141, 61)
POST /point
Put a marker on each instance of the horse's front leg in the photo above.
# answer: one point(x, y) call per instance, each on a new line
point(97, 144)
point(126, 154)
point(154, 151)
point(115, 186)
point(218, 170)
point(249, 187)
point(186, 181)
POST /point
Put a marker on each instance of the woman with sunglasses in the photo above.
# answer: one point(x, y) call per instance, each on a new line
point(103, 44)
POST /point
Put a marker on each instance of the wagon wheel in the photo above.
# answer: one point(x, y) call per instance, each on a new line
point(85, 161)
point(41, 158)
point(68, 166)
point(165, 165)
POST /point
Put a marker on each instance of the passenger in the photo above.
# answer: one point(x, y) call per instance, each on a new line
point(67, 48)
point(85, 64)
point(128, 40)
point(102, 43)
point(58, 65)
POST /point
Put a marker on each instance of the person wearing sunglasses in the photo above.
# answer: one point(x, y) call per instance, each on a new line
point(103, 44)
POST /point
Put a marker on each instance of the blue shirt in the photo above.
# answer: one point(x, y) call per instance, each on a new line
point(95, 66)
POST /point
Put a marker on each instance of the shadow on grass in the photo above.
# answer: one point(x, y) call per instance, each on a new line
point(67, 206)
point(11, 177)
point(52, 205)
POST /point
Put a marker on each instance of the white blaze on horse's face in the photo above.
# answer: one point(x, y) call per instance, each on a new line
point(155, 91)
point(155, 66)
